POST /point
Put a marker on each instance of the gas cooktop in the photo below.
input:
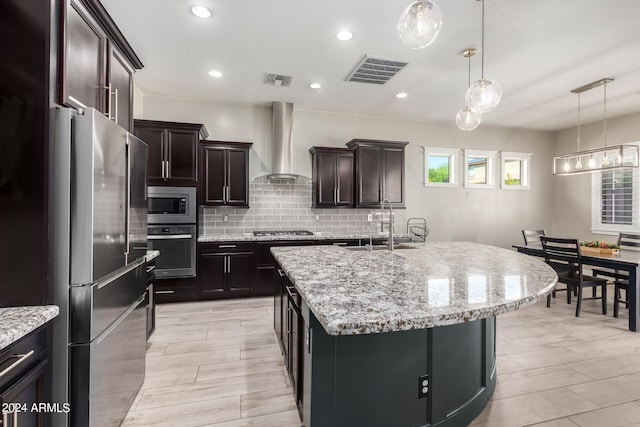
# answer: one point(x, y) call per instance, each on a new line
point(283, 233)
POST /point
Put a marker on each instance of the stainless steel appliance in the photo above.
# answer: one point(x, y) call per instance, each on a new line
point(177, 246)
point(99, 243)
point(172, 205)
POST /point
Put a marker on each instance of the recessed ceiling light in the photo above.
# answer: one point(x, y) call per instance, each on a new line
point(215, 73)
point(201, 12)
point(315, 85)
point(401, 95)
point(344, 35)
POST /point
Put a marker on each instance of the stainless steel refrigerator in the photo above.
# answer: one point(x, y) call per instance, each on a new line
point(98, 232)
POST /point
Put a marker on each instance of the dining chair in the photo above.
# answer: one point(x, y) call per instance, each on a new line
point(563, 255)
point(532, 236)
point(627, 242)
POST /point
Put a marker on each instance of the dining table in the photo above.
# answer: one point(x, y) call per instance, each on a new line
point(625, 260)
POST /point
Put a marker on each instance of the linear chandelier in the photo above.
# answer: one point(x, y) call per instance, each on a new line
point(597, 159)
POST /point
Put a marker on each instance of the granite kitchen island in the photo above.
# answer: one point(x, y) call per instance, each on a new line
point(403, 338)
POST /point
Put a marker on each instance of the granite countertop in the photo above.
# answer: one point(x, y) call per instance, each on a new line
point(16, 322)
point(151, 255)
point(435, 284)
point(240, 237)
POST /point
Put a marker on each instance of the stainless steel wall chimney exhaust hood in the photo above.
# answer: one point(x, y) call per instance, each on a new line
point(282, 142)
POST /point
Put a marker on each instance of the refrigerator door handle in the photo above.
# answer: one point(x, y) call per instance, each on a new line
point(110, 279)
point(115, 117)
point(115, 324)
point(127, 224)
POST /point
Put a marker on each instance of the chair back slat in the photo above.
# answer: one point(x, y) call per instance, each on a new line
point(532, 236)
point(563, 255)
point(629, 241)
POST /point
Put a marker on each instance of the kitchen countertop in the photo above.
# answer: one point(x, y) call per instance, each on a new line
point(323, 236)
point(151, 255)
point(435, 284)
point(16, 322)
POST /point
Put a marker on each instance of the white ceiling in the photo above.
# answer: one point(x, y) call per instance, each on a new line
point(538, 50)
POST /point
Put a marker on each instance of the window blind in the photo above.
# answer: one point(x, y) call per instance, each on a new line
point(618, 203)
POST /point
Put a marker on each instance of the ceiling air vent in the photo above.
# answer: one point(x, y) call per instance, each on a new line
point(376, 70)
point(277, 80)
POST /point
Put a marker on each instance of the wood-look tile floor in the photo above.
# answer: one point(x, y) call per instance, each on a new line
point(217, 363)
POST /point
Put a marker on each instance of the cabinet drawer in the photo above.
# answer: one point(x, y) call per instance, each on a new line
point(174, 290)
point(206, 247)
point(31, 350)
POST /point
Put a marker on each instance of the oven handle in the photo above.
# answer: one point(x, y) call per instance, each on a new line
point(170, 236)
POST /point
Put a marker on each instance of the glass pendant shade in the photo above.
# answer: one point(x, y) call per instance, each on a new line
point(483, 95)
point(420, 24)
point(466, 119)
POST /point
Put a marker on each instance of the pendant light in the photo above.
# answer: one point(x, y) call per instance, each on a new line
point(622, 156)
point(467, 119)
point(484, 94)
point(420, 24)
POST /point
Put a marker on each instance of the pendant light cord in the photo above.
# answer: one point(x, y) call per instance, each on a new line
point(482, 62)
point(469, 73)
point(578, 140)
point(604, 122)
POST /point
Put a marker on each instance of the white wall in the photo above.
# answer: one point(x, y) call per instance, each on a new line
point(572, 194)
point(488, 216)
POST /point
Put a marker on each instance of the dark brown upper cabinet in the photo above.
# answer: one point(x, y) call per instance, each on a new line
point(173, 151)
point(224, 173)
point(333, 176)
point(120, 77)
point(379, 172)
point(97, 63)
point(83, 77)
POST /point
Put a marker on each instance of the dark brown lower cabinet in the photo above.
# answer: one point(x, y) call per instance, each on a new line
point(175, 290)
point(225, 269)
point(289, 328)
point(25, 385)
point(233, 270)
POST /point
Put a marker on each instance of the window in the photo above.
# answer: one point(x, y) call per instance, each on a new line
point(615, 201)
point(479, 168)
point(515, 170)
point(440, 167)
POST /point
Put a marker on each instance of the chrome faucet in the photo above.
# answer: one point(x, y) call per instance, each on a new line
point(390, 222)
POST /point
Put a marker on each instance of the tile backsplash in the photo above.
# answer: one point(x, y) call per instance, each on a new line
point(286, 205)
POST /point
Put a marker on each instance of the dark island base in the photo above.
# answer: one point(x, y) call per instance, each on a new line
point(374, 379)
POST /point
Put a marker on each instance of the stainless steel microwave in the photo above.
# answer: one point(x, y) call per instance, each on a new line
point(172, 205)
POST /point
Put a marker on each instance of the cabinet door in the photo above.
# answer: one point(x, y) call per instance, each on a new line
point(83, 74)
point(28, 390)
point(212, 272)
point(181, 154)
point(345, 179)
point(120, 100)
point(237, 177)
point(369, 176)
point(213, 176)
point(393, 175)
point(326, 176)
point(240, 271)
point(154, 138)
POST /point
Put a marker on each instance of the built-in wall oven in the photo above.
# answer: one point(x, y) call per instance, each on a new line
point(177, 246)
point(172, 205)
